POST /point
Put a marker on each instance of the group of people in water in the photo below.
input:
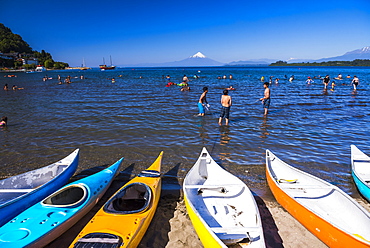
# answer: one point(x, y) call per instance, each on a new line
point(226, 103)
point(14, 87)
point(325, 80)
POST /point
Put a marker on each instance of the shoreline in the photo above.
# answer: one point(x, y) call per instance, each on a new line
point(172, 228)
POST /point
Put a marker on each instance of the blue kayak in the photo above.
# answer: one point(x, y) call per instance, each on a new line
point(361, 171)
point(20, 192)
point(45, 221)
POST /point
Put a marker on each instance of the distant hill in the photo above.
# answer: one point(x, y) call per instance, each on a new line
point(252, 62)
point(197, 60)
point(12, 43)
point(16, 53)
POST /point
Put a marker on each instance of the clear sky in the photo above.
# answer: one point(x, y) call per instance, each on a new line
point(148, 31)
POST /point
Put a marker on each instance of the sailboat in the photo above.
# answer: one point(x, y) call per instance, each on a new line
point(104, 67)
point(84, 67)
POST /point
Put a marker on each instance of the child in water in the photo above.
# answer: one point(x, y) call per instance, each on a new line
point(332, 85)
point(225, 108)
point(4, 121)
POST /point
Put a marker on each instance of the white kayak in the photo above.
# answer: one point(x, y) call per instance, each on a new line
point(221, 207)
point(361, 171)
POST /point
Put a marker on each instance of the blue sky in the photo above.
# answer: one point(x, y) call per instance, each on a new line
point(144, 31)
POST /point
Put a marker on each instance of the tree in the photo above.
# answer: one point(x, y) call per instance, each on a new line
point(60, 65)
point(49, 63)
point(10, 42)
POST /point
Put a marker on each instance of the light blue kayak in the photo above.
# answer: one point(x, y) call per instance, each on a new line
point(361, 171)
point(45, 221)
point(20, 192)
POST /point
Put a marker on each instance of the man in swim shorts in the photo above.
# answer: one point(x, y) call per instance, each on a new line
point(202, 101)
point(225, 108)
point(266, 97)
point(355, 82)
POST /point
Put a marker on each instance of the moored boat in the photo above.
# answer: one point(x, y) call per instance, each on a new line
point(45, 221)
point(361, 171)
point(220, 206)
point(40, 68)
point(124, 219)
point(325, 210)
point(19, 192)
point(104, 67)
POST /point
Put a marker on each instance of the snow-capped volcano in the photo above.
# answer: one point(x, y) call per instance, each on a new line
point(198, 59)
point(359, 51)
point(198, 55)
point(362, 53)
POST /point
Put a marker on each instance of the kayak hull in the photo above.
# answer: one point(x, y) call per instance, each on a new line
point(220, 206)
point(43, 222)
point(360, 170)
point(325, 210)
point(19, 192)
point(108, 220)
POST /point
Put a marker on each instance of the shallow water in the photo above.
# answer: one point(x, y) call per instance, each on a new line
point(137, 117)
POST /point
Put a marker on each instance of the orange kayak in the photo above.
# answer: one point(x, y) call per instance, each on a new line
point(325, 210)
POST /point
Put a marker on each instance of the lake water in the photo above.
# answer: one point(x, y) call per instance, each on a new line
point(137, 117)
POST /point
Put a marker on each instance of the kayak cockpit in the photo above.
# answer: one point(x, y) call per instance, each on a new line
point(133, 198)
point(67, 197)
point(99, 240)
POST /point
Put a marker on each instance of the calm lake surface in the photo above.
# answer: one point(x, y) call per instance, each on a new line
point(137, 117)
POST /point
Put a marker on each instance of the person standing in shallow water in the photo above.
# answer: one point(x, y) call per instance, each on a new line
point(225, 108)
point(266, 98)
point(202, 101)
point(326, 81)
point(355, 82)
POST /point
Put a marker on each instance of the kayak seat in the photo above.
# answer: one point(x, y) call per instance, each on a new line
point(69, 196)
point(133, 198)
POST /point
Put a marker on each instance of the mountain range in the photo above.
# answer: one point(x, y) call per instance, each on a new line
point(199, 60)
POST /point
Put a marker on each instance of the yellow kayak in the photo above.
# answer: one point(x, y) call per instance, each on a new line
point(124, 219)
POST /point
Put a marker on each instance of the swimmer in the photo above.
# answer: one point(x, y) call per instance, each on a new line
point(309, 80)
point(4, 121)
point(230, 88)
point(332, 85)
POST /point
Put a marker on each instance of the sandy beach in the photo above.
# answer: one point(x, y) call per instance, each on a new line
point(172, 228)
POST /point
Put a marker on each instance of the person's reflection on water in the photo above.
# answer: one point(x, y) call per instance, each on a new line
point(264, 128)
point(224, 141)
point(224, 135)
point(203, 133)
